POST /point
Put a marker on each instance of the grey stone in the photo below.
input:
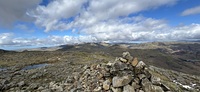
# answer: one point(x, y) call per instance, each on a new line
point(156, 89)
point(149, 87)
point(155, 80)
point(139, 68)
point(141, 76)
point(4, 82)
point(21, 84)
point(106, 84)
point(140, 91)
point(136, 86)
point(146, 84)
point(128, 88)
point(123, 60)
point(70, 79)
point(121, 81)
point(147, 73)
point(126, 55)
point(33, 86)
point(121, 69)
point(97, 89)
point(46, 90)
point(136, 80)
point(116, 89)
point(40, 88)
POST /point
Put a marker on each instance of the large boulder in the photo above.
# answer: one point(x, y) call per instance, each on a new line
point(121, 81)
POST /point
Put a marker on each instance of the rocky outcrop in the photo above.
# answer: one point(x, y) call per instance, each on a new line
point(125, 74)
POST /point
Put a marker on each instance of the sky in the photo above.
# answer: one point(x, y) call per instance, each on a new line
point(42, 23)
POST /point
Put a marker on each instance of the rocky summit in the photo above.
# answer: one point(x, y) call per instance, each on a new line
point(124, 74)
point(121, 75)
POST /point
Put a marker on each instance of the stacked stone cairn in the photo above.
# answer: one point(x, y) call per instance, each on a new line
point(125, 74)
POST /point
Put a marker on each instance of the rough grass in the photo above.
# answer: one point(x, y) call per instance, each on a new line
point(38, 57)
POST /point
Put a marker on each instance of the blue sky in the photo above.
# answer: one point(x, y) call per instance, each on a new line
point(39, 23)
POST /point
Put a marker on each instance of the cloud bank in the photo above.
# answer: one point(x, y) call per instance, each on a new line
point(191, 11)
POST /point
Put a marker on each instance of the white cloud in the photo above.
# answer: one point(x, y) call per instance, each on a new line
point(95, 20)
point(9, 39)
point(191, 11)
point(57, 10)
point(89, 12)
point(15, 10)
point(6, 39)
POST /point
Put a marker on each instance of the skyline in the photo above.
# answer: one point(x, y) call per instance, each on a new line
point(39, 23)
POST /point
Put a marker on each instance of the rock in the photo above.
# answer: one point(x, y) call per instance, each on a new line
point(97, 89)
point(157, 89)
point(106, 84)
point(33, 86)
point(141, 76)
point(4, 82)
point(21, 84)
point(140, 91)
point(139, 68)
point(121, 81)
point(46, 90)
point(118, 67)
point(134, 62)
point(165, 88)
point(123, 60)
point(146, 72)
point(40, 88)
point(55, 86)
point(116, 89)
point(146, 84)
point(149, 87)
point(137, 80)
point(136, 86)
point(127, 56)
point(128, 88)
point(155, 80)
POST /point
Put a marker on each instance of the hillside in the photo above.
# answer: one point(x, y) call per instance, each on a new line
point(175, 64)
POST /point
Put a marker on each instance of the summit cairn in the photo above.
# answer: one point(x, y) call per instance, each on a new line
point(125, 74)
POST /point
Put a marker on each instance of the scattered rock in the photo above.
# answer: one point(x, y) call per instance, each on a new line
point(122, 75)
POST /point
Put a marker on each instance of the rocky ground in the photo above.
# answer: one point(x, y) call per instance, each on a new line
point(96, 68)
point(124, 74)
